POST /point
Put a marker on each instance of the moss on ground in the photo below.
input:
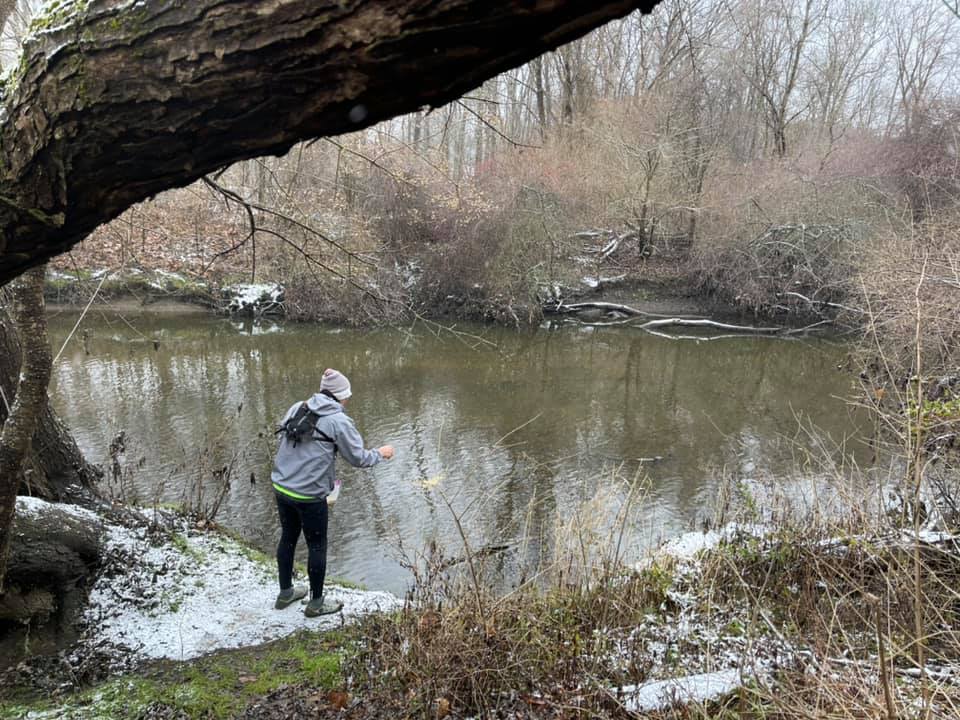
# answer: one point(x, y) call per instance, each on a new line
point(216, 686)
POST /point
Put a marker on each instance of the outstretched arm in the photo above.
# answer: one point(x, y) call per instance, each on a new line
point(350, 444)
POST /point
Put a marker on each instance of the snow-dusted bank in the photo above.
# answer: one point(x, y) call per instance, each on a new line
point(201, 591)
point(697, 630)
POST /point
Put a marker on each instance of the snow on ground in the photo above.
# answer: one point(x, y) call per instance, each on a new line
point(662, 694)
point(688, 545)
point(696, 650)
point(35, 507)
point(201, 593)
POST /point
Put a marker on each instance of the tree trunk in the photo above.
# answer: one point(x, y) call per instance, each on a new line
point(541, 106)
point(57, 547)
point(54, 468)
point(116, 101)
point(29, 402)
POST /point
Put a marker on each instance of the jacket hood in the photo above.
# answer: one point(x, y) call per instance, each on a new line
point(323, 405)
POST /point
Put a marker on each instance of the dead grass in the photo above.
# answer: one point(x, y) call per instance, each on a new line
point(827, 614)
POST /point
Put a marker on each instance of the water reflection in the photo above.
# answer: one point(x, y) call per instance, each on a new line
point(518, 430)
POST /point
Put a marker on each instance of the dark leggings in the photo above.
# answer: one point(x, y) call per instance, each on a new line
point(311, 518)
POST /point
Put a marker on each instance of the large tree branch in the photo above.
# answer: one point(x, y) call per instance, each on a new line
point(117, 100)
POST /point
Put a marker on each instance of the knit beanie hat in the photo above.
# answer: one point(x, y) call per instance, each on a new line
point(336, 382)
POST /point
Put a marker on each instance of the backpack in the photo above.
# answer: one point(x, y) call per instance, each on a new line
point(303, 423)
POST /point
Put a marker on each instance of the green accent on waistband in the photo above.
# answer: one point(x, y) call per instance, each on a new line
point(291, 493)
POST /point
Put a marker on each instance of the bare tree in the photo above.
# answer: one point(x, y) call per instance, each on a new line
point(843, 61)
point(775, 38)
point(925, 52)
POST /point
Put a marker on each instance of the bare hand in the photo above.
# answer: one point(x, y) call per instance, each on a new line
point(386, 452)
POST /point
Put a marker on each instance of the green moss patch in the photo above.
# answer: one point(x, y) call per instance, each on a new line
point(220, 685)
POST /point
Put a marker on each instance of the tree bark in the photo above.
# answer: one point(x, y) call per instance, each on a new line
point(55, 551)
point(114, 101)
point(54, 468)
point(29, 402)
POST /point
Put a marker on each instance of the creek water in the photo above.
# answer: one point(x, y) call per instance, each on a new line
point(516, 433)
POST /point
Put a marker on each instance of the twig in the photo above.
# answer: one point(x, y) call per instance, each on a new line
point(495, 130)
point(250, 206)
point(80, 319)
point(884, 670)
point(519, 427)
point(823, 302)
point(470, 563)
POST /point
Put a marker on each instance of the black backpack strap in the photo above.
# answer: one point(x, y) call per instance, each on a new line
point(321, 435)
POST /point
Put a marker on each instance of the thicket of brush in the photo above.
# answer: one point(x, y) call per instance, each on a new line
point(839, 614)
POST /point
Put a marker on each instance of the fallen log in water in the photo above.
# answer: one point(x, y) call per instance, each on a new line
point(659, 321)
point(558, 307)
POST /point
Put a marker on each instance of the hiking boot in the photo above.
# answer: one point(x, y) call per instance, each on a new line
point(289, 596)
point(319, 606)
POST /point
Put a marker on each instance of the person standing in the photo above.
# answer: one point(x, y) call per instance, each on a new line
point(303, 477)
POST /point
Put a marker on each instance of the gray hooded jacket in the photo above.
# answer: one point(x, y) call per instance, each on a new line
point(305, 471)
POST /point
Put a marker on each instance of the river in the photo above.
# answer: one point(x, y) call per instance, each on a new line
point(515, 432)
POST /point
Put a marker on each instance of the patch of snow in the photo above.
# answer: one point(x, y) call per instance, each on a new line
point(35, 507)
point(594, 282)
point(690, 544)
point(931, 537)
point(663, 694)
point(253, 296)
point(207, 594)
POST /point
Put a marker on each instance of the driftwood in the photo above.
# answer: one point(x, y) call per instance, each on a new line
point(683, 322)
point(660, 321)
point(561, 308)
point(823, 303)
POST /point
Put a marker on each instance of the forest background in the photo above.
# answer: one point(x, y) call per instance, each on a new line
point(781, 157)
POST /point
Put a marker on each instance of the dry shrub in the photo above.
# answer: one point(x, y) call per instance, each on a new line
point(910, 287)
point(840, 612)
point(776, 240)
point(926, 160)
point(851, 599)
point(865, 596)
point(374, 299)
point(479, 248)
point(555, 641)
point(526, 652)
